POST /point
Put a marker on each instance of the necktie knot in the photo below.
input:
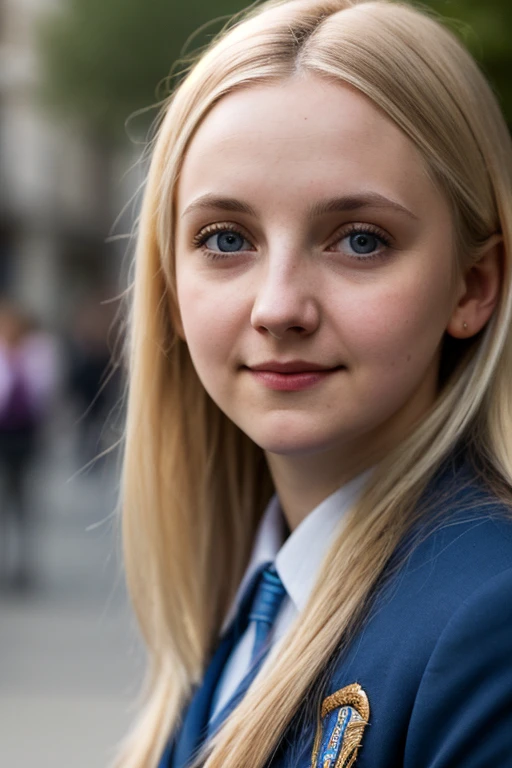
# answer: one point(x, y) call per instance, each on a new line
point(268, 598)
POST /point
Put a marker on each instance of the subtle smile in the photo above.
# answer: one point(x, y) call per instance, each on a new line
point(292, 376)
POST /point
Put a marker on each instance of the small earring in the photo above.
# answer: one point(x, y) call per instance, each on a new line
point(465, 325)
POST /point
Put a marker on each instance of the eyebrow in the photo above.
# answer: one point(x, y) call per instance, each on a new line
point(330, 205)
point(355, 202)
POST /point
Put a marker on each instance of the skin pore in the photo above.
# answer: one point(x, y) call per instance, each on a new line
point(308, 230)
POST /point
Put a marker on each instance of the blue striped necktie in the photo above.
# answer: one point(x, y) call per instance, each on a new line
point(264, 609)
point(265, 605)
point(260, 605)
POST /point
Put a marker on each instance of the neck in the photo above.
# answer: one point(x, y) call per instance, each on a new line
point(303, 482)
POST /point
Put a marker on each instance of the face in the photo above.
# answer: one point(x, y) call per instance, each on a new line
point(314, 267)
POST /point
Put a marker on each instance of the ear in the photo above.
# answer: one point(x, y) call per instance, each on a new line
point(479, 292)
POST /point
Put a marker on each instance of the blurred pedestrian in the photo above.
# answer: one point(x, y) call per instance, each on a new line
point(28, 377)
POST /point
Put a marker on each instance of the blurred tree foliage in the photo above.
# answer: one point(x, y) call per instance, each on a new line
point(484, 26)
point(106, 59)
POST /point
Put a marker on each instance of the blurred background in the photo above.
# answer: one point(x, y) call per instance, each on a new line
point(80, 82)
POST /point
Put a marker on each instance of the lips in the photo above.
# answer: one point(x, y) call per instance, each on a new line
point(293, 366)
point(291, 376)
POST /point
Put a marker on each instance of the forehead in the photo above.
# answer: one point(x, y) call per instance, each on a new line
point(299, 138)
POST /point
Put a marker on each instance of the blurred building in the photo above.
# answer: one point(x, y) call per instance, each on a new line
point(58, 191)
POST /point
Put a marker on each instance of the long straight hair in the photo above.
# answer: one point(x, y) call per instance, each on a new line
point(194, 486)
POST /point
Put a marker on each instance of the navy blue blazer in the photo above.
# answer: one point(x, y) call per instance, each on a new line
point(434, 657)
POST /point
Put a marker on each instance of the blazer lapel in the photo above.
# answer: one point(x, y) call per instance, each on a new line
point(189, 738)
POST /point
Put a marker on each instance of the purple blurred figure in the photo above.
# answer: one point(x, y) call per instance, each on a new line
point(28, 379)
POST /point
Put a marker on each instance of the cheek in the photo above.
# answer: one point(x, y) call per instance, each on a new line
point(400, 325)
point(210, 318)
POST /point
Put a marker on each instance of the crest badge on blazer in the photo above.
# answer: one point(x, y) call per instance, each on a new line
point(343, 717)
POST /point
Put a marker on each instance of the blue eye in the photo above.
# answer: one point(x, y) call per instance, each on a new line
point(228, 241)
point(363, 243)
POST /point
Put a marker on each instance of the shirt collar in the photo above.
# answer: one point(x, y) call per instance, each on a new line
point(299, 557)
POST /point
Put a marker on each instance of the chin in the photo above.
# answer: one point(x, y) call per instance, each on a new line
point(289, 433)
point(287, 444)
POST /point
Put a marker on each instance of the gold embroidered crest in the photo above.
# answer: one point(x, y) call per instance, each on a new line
point(343, 717)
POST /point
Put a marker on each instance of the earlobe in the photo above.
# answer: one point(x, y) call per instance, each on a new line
point(479, 293)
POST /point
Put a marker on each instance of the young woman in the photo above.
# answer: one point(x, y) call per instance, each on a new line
point(320, 402)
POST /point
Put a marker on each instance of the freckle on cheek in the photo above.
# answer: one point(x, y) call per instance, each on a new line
point(408, 358)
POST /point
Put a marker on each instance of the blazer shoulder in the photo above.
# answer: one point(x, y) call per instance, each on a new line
point(463, 537)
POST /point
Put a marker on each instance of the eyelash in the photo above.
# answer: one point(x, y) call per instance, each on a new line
point(364, 229)
point(216, 229)
point(353, 229)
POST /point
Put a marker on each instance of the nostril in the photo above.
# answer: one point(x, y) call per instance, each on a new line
point(274, 335)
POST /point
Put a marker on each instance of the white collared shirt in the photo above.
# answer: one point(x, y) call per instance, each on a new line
point(297, 560)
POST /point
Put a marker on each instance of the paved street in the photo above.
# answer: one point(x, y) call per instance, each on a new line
point(70, 661)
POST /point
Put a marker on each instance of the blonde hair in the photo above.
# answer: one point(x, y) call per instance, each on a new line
point(194, 486)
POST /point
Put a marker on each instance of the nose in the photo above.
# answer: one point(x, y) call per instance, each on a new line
point(285, 301)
